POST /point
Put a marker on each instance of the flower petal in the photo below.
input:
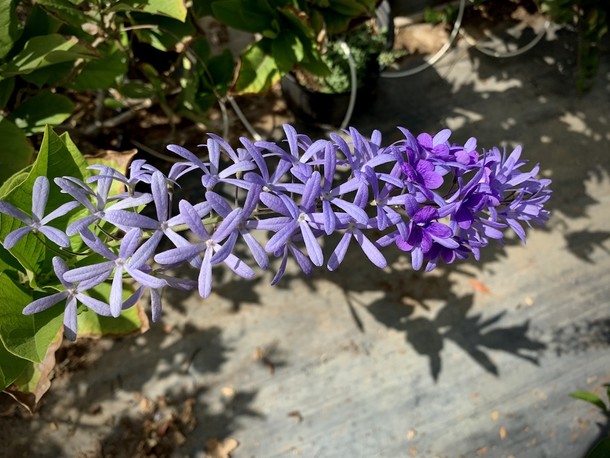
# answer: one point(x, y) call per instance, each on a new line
point(12, 238)
point(55, 235)
point(40, 195)
point(116, 293)
point(70, 319)
point(14, 212)
point(44, 303)
point(336, 258)
point(205, 275)
point(60, 211)
point(179, 254)
point(313, 246)
point(88, 272)
point(99, 307)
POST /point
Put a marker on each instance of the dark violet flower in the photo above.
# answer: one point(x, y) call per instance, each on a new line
point(422, 230)
point(37, 222)
point(468, 153)
point(437, 146)
point(72, 294)
point(129, 259)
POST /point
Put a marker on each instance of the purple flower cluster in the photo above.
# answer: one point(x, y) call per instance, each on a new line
point(437, 200)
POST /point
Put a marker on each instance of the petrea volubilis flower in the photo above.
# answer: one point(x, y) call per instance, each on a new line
point(129, 259)
point(37, 222)
point(72, 293)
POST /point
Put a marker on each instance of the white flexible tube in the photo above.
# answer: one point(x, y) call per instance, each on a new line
point(353, 85)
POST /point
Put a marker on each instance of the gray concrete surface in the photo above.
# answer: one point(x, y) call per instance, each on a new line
point(473, 360)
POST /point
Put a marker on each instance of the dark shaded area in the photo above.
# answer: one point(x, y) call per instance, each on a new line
point(581, 337)
point(152, 427)
point(582, 243)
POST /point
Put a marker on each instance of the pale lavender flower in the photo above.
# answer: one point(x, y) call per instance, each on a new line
point(212, 172)
point(72, 293)
point(301, 167)
point(270, 182)
point(222, 208)
point(209, 246)
point(302, 260)
point(129, 259)
point(37, 222)
point(139, 172)
point(330, 195)
point(98, 211)
point(164, 222)
point(355, 231)
point(295, 219)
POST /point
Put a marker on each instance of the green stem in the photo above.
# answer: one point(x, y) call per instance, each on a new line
point(60, 251)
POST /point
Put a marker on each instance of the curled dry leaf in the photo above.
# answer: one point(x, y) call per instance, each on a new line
point(35, 380)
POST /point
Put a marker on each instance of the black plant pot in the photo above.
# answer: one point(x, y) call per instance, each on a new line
point(322, 108)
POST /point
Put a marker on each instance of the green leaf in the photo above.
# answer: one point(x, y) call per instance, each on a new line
point(9, 263)
point(175, 9)
point(42, 51)
point(14, 181)
point(219, 72)
point(25, 336)
point(590, 398)
point(16, 151)
point(10, 367)
point(65, 11)
point(133, 320)
point(601, 449)
point(50, 75)
point(258, 71)
point(9, 26)
point(101, 73)
point(250, 16)
point(287, 50)
point(136, 90)
point(6, 90)
point(44, 108)
point(167, 33)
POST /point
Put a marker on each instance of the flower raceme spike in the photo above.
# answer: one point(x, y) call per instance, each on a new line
point(436, 200)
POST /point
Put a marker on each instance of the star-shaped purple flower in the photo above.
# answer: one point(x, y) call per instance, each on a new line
point(37, 222)
point(72, 294)
point(129, 259)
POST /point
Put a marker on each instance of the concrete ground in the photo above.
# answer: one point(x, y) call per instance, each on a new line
point(473, 360)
